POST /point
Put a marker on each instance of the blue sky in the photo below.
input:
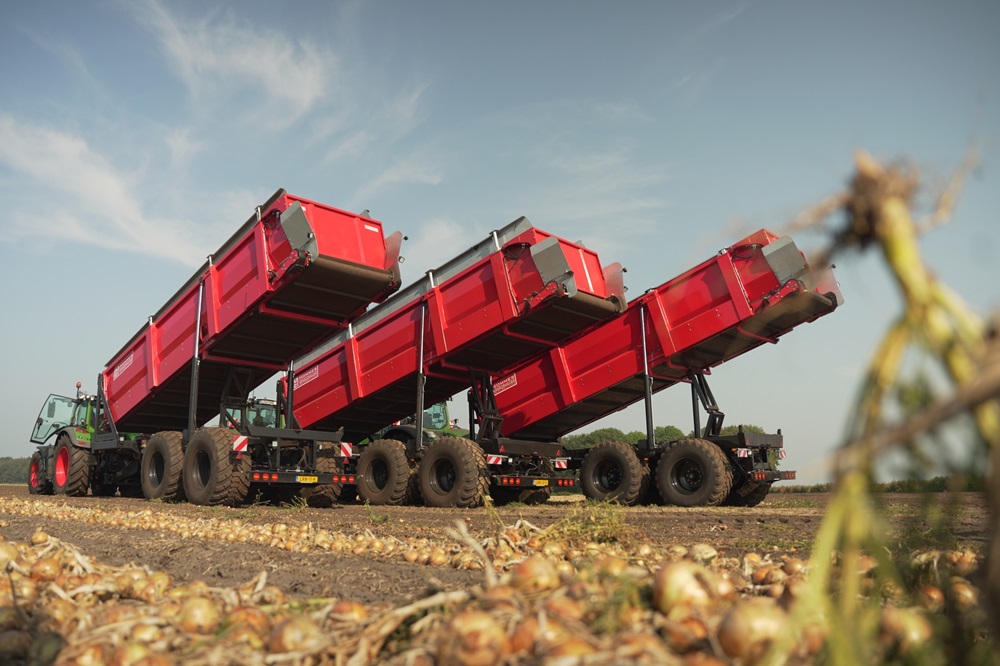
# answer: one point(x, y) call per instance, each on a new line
point(136, 136)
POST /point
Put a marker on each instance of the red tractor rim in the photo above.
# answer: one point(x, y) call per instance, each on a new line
point(62, 466)
point(34, 475)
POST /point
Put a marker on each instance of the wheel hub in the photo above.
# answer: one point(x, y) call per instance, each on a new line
point(688, 476)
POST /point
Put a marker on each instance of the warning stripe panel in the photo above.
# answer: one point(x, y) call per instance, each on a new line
point(239, 443)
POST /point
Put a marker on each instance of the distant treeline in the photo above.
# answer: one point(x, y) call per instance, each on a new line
point(939, 484)
point(662, 433)
point(14, 470)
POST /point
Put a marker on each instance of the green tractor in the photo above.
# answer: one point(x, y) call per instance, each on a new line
point(65, 464)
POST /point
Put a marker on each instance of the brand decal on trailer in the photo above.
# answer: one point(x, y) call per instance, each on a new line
point(123, 366)
point(504, 384)
point(346, 449)
point(306, 377)
point(239, 443)
point(371, 227)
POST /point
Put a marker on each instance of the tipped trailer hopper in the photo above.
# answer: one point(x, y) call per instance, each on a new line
point(294, 273)
point(749, 294)
point(519, 293)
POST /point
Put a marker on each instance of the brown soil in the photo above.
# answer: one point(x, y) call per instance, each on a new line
point(783, 523)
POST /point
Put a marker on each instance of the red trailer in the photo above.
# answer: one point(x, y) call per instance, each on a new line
point(749, 294)
point(517, 294)
point(294, 273)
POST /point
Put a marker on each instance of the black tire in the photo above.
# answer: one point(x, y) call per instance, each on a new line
point(213, 473)
point(453, 473)
point(529, 495)
point(38, 482)
point(70, 474)
point(612, 471)
point(385, 475)
point(326, 495)
point(751, 493)
point(161, 467)
point(693, 472)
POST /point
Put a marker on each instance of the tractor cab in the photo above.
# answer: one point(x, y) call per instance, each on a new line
point(60, 411)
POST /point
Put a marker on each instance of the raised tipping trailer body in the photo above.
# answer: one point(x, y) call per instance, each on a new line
point(749, 294)
point(517, 294)
point(281, 284)
point(514, 295)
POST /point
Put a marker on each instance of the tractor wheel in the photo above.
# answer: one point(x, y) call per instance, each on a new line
point(529, 495)
point(72, 474)
point(453, 473)
point(751, 493)
point(38, 482)
point(612, 471)
point(693, 472)
point(213, 472)
point(385, 476)
point(161, 466)
point(327, 462)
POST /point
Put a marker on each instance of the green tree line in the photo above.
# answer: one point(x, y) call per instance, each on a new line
point(937, 484)
point(14, 470)
point(663, 435)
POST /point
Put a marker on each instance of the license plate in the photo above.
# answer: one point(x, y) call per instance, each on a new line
point(541, 482)
point(307, 479)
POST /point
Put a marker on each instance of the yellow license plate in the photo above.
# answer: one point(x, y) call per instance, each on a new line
point(541, 482)
point(307, 479)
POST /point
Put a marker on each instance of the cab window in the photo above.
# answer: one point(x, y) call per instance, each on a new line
point(80, 417)
point(435, 417)
point(56, 413)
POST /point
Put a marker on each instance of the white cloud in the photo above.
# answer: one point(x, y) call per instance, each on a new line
point(351, 147)
point(435, 243)
point(407, 110)
point(597, 185)
point(182, 147)
point(411, 169)
point(85, 198)
point(275, 79)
